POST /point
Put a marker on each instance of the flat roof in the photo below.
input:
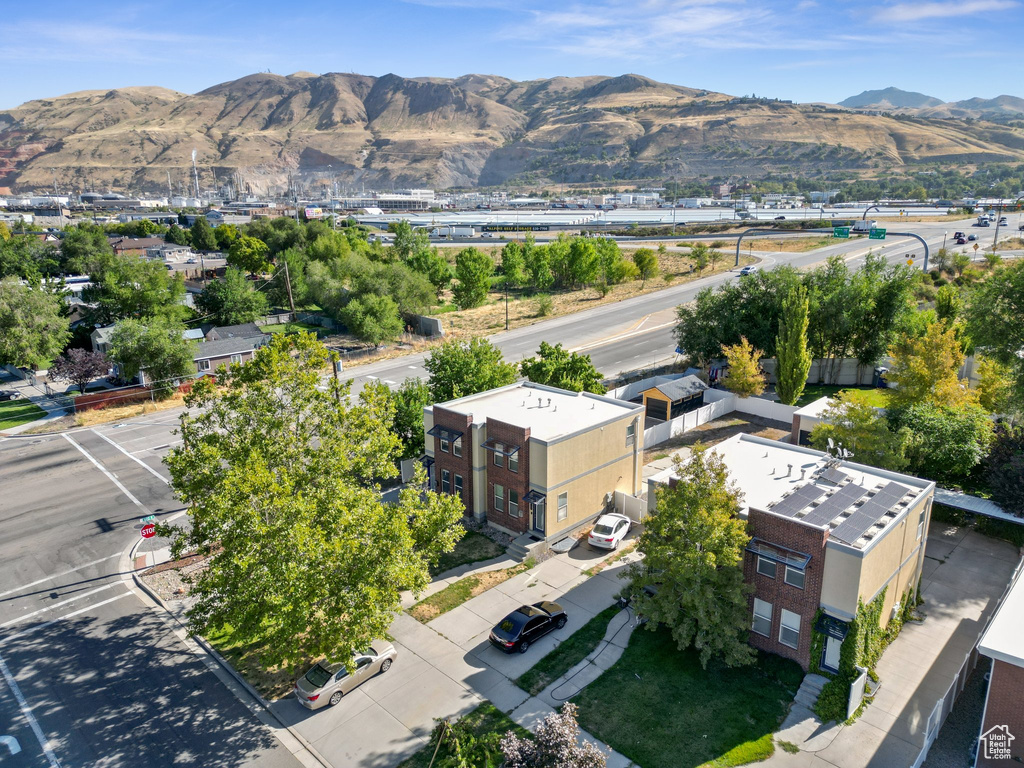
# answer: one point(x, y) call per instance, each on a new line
point(550, 413)
point(855, 501)
point(1004, 638)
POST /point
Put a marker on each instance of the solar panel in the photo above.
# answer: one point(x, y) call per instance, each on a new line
point(834, 505)
point(800, 498)
point(871, 512)
point(834, 476)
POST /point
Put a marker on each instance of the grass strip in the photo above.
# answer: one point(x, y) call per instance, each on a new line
point(567, 654)
point(271, 682)
point(14, 413)
point(462, 590)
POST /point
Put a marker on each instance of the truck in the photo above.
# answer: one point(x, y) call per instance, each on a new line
point(864, 225)
point(453, 231)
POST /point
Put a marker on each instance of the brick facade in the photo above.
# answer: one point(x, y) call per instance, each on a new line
point(519, 481)
point(457, 465)
point(1005, 694)
point(790, 534)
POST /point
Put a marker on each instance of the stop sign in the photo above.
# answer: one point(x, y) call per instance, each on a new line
point(149, 530)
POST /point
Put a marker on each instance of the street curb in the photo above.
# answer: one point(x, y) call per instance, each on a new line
point(202, 643)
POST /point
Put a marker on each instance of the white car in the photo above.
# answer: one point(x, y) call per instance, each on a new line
point(609, 531)
point(750, 269)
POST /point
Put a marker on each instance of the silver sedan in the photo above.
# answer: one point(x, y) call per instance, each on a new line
point(325, 683)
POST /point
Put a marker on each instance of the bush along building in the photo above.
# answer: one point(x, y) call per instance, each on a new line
point(532, 460)
point(835, 556)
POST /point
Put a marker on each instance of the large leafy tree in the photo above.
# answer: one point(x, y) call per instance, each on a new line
point(82, 247)
point(946, 441)
point(558, 367)
point(646, 262)
point(233, 300)
point(372, 318)
point(203, 237)
point(1005, 468)
point(304, 559)
point(473, 270)
point(33, 329)
point(861, 429)
point(924, 369)
point(249, 254)
point(133, 287)
point(407, 402)
point(154, 345)
point(793, 361)
point(459, 368)
point(79, 366)
point(744, 377)
point(994, 312)
point(693, 559)
point(513, 264)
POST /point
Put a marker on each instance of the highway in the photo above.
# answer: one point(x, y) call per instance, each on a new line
point(89, 674)
point(637, 332)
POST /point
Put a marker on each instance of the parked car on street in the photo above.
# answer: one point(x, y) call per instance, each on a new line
point(750, 269)
point(609, 531)
point(10, 394)
point(526, 625)
point(325, 684)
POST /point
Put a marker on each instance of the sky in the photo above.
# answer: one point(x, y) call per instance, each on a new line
point(804, 50)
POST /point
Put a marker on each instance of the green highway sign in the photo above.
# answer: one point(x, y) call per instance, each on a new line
point(876, 234)
point(840, 231)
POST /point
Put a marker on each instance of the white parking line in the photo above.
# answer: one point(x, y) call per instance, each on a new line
point(140, 462)
point(27, 711)
point(58, 575)
point(103, 469)
point(57, 605)
point(45, 624)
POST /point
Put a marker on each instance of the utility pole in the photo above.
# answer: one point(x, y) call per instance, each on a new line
point(288, 282)
point(195, 172)
point(335, 364)
point(506, 302)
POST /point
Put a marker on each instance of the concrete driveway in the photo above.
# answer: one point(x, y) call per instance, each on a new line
point(447, 668)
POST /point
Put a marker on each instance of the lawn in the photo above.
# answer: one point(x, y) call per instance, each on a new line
point(568, 654)
point(660, 709)
point(868, 395)
point(462, 590)
point(271, 682)
point(472, 548)
point(14, 413)
point(292, 328)
point(485, 725)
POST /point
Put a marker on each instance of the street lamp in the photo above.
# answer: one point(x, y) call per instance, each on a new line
point(944, 240)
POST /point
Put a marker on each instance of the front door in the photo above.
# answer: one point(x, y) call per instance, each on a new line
point(537, 517)
point(830, 658)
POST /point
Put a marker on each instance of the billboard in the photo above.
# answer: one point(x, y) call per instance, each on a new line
point(314, 213)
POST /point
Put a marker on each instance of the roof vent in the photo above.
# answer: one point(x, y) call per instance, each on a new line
point(540, 403)
point(555, 409)
point(549, 402)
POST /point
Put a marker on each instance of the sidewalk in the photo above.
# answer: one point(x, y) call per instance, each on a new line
point(964, 576)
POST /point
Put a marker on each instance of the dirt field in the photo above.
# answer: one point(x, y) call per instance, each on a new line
point(718, 430)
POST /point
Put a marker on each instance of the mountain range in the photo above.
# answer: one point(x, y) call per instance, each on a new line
point(263, 131)
point(1000, 109)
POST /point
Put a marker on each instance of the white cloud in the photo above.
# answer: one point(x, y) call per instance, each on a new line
point(904, 12)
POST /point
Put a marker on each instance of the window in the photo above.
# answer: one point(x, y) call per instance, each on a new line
point(499, 497)
point(630, 434)
point(920, 527)
point(563, 505)
point(499, 457)
point(236, 358)
point(444, 443)
point(762, 618)
point(513, 462)
point(458, 485)
point(457, 447)
point(204, 365)
point(789, 630)
point(766, 567)
point(794, 577)
point(513, 504)
point(446, 481)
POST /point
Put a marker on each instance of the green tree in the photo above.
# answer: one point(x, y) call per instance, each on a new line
point(33, 328)
point(473, 275)
point(961, 261)
point(995, 385)
point(226, 234)
point(83, 247)
point(646, 262)
point(233, 300)
point(994, 311)
point(432, 265)
point(556, 366)
point(460, 368)
point(1004, 468)
point(859, 428)
point(156, 346)
point(693, 555)
point(700, 255)
point(949, 303)
point(538, 265)
point(304, 559)
point(178, 236)
point(372, 318)
point(924, 369)
point(793, 361)
point(513, 264)
point(408, 242)
point(203, 237)
point(947, 441)
point(744, 376)
point(406, 403)
point(249, 254)
point(132, 287)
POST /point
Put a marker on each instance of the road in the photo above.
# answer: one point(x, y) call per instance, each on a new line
point(637, 332)
point(89, 674)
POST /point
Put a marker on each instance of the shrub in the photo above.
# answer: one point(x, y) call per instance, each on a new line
point(544, 305)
